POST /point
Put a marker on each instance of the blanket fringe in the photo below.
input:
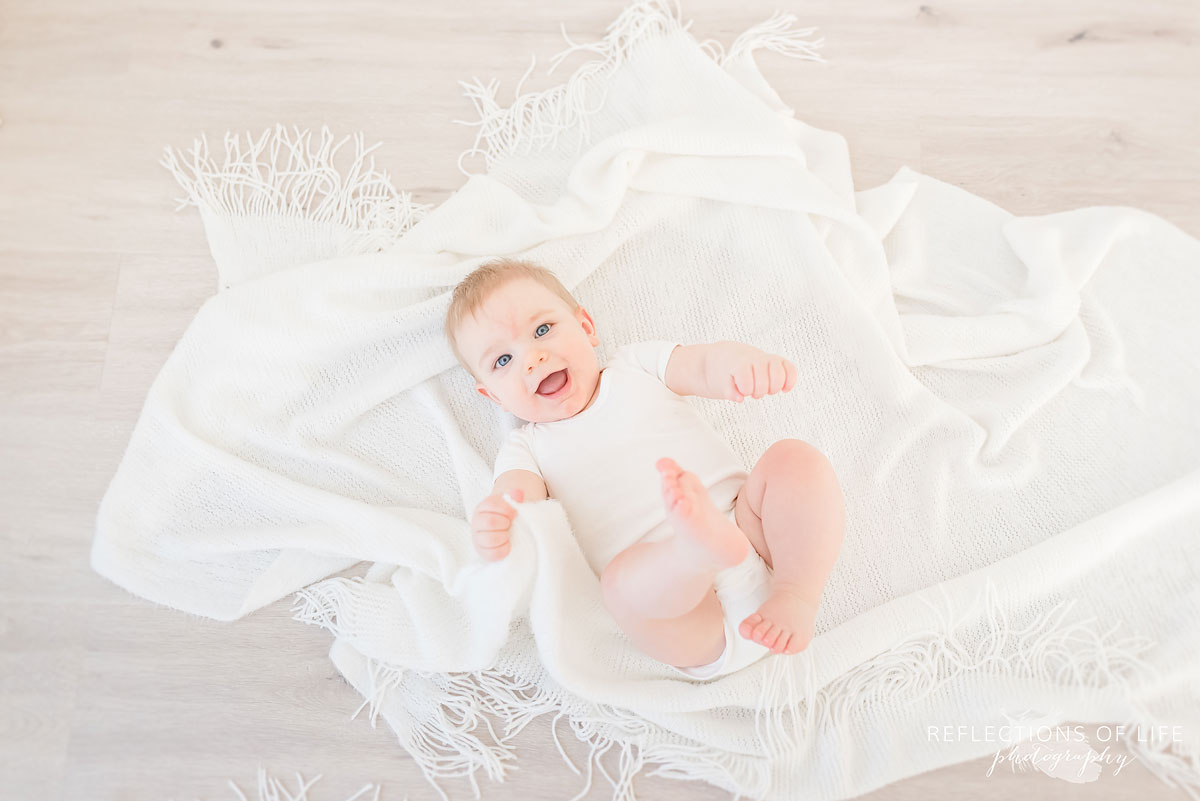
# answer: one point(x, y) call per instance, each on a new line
point(1075, 653)
point(443, 709)
point(1078, 654)
point(272, 789)
point(252, 182)
point(1176, 764)
point(774, 34)
point(535, 119)
point(440, 712)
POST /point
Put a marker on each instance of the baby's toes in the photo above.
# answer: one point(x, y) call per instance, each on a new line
point(781, 645)
point(772, 636)
point(798, 643)
point(760, 631)
point(747, 627)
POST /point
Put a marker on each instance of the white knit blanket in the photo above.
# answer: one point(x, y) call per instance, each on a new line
point(1009, 402)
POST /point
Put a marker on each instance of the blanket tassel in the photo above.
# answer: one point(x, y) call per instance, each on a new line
point(1076, 655)
point(299, 200)
point(535, 119)
point(272, 789)
point(444, 711)
point(435, 715)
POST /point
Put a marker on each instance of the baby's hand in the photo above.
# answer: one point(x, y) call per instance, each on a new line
point(737, 371)
point(490, 525)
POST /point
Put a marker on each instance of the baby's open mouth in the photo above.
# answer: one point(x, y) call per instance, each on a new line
point(553, 384)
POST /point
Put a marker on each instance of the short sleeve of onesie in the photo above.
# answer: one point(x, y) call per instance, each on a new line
point(650, 356)
point(515, 454)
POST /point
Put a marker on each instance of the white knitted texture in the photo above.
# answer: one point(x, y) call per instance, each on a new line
point(1009, 403)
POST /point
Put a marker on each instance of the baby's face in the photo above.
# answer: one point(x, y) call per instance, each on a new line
point(522, 335)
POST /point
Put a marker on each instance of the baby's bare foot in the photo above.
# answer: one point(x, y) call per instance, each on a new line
point(785, 622)
point(696, 517)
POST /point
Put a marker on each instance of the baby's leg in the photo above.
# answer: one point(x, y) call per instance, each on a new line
point(693, 639)
point(792, 510)
point(661, 593)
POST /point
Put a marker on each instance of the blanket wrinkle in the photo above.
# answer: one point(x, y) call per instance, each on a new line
point(1006, 400)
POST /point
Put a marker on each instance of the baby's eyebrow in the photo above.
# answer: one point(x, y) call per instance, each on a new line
point(532, 317)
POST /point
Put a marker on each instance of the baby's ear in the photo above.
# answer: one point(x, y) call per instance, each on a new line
point(589, 325)
point(482, 390)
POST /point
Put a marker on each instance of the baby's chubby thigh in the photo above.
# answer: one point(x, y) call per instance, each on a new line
point(690, 634)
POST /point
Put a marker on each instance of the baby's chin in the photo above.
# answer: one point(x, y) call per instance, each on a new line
point(548, 416)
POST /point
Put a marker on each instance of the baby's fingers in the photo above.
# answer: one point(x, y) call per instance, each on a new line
point(761, 379)
point(743, 382)
point(496, 553)
point(491, 538)
point(497, 505)
point(792, 374)
point(776, 376)
point(487, 522)
point(493, 517)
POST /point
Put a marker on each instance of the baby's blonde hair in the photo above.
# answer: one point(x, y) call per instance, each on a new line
point(485, 279)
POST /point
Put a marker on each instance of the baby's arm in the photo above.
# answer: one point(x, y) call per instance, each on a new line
point(533, 485)
point(727, 370)
point(685, 374)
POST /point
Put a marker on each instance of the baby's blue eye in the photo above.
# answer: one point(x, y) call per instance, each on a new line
point(505, 359)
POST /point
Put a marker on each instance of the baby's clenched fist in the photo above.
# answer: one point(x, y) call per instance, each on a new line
point(491, 523)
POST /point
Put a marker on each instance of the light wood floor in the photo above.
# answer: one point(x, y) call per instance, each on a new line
point(1037, 106)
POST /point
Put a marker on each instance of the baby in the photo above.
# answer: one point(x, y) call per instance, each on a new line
point(684, 559)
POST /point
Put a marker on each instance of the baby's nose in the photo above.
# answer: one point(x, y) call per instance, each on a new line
point(538, 358)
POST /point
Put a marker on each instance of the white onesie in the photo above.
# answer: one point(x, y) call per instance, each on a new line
point(599, 464)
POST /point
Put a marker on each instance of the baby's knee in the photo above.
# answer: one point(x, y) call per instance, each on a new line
point(793, 452)
point(800, 458)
